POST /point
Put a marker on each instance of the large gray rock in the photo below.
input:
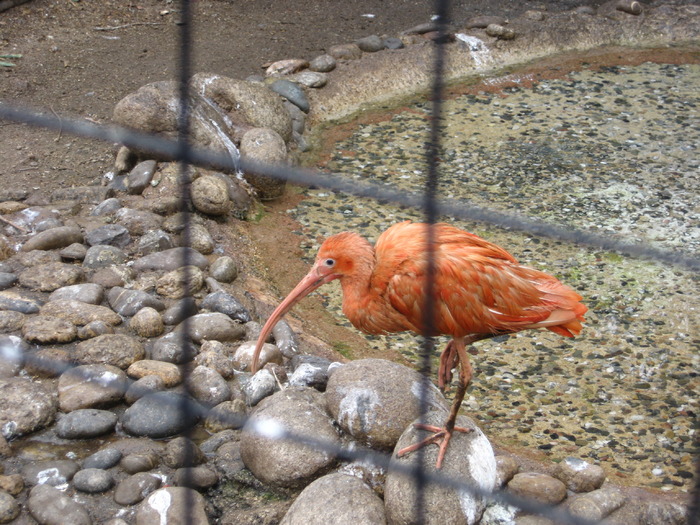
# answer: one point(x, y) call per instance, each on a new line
point(352, 502)
point(25, 407)
point(86, 423)
point(469, 458)
point(89, 386)
point(287, 463)
point(214, 325)
point(210, 195)
point(374, 400)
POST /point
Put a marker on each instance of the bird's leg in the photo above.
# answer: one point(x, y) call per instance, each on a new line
point(442, 436)
point(448, 360)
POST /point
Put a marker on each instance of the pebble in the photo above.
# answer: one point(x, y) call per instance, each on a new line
point(537, 486)
point(227, 304)
point(155, 241)
point(285, 463)
point(214, 325)
point(170, 504)
point(7, 280)
point(89, 386)
point(139, 462)
point(501, 32)
point(169, 374)
point(579, 475)
point(10, 300)
point(112, 276)
point(310, 79)
point(51, 276)
point(207, 386)
point(109, 234)
point(110, 349)
point(45, 503)
point(353, 502)
point(201, 240)
point(80, 313)
point(107, 207)
point(370, 44)
point(171, 349)
point(9, 508)
point(102, 459)
point(345, 52)
point(134, 488)
point(147, 322)
point(198, 478)
point(286, 67)
point(179, 311)
point(86, 423)
point(311, 372)
point(50, 472)
point(285, 339)
point(172, 259)
point(128, 302)
point(229, 415)
point(94, 329)
point(160, 415)
point(597, 504)
point(243, 358)
point(393, 43)
point(93, 480)
point(138, 222)
point(141, 387)
point(54, 239)
point(506, 468)
point(74, 252)
point(210, 196)
point(25, 407)
point(260, 386)
point(179, 283)
point(224, 269)
point(12, 484)
point(182, 452)
point(87, 293)
point(102, 256)
point(140, 177)
point(292, 92)
point(43, 329)
point(323, 64)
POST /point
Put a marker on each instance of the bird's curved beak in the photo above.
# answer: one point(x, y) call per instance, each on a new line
point(317, 276)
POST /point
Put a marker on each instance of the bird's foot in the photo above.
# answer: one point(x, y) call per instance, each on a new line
point(441, 436)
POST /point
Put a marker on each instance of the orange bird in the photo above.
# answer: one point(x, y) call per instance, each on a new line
point(479, 291)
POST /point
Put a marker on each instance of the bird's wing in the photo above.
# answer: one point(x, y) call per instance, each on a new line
point(479, 287)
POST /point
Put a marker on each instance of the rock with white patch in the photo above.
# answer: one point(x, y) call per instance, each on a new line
point(579, 475)
point(374, 400)
point(286, 463)
point(260, 386)
point(353, 502)
point(469, 458)
point(207, 386)
point(173, 505)
point(50, 472)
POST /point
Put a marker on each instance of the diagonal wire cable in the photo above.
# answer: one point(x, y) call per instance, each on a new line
point(167, 149)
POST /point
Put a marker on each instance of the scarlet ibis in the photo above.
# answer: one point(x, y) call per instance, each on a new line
point(479, 291)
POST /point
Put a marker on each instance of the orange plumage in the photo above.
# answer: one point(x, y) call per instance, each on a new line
point(479, 291)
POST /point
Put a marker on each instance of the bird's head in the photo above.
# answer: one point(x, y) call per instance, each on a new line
point(337, 257)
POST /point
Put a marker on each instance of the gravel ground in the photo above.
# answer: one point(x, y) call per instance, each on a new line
point(611, 150)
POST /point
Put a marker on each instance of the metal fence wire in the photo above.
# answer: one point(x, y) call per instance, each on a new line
point(182, 151)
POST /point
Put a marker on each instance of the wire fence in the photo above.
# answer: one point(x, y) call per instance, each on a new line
point(181, 151)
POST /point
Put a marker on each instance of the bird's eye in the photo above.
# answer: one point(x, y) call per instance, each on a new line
point(329, 262)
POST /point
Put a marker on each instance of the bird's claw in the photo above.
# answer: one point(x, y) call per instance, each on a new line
point(441, 436)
